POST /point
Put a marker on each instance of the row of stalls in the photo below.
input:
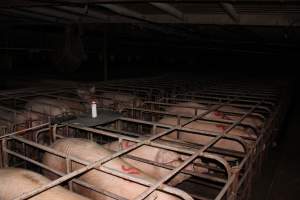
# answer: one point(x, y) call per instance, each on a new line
point(202, 139)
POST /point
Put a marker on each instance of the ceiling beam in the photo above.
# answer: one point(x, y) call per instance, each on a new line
point(169, 9)
point(124, 11)
point(34, 16)
point(85, 11)
point(231, 11)
point(60, 14)
point(125, 15)
point(223, 19)
point(90, 2)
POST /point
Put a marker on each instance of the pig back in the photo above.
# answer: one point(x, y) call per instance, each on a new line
point(54, 107)
point(210, 127)
point(90, 152)
point(15, 182)
point(120, 100)
point(254, 121)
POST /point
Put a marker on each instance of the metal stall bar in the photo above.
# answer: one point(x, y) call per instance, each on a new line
point(107, 170)
point(119, 133)
point(85, 169)
point(216, 98)
point(193, 157)
point(24, 130)
point(157, 144)
point(222, 93)
point(109, 194)
point(188, 116)
point(206, 102)
point(95, 164)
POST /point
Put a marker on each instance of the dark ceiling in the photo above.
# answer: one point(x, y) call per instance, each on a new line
point(184, 32)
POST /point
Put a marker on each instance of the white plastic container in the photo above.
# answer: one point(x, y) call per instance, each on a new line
point(94, 109)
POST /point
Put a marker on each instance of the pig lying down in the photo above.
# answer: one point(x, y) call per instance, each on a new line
point(157, 155)
point(119, 101)
point(90, 152)
point(19, 120)
point(216, 127)
point(55, 107)
point(38, 110)
point(209, 127)
point(14, 182)
point(183, 109)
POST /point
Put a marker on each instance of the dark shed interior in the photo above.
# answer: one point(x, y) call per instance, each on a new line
point(186, 41)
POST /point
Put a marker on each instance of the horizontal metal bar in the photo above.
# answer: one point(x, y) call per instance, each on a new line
point(24, 130)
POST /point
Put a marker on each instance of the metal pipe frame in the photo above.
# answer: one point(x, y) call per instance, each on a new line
point(155, 144)
point(101, 168)
point(85, 169)
point(163, 113)
point(268, 100)
point(183, 129)
point(102, 161)
point(259, 139)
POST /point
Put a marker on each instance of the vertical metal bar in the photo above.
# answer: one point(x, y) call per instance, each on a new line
point(91, 136)
point(232, 192)
point(4, 153)
point(152, 116)
point(1, 156)
point(118, 123)
point(69, 170)
point(67, 130)
point(53, 131)
point(25, 152)
point(154, 127)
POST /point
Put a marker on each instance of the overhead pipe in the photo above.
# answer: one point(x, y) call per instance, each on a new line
point(124, 11)
point(34, 15)
point(85, 11)
point(169, 9)
point(231, 11)
point(60, 14)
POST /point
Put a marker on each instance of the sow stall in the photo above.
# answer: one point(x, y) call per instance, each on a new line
point(13, 102)
point(139, 126)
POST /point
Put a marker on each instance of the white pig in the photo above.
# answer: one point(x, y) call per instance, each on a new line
point(16, 181)
point(91, 152)
point(183, 109)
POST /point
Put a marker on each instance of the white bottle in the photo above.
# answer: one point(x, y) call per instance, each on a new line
point(94, 109)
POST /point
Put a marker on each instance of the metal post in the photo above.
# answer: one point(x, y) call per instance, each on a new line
point(4, 153)
point(69, 170)
point(53, 132)
point(1, 156)
point(232, 192)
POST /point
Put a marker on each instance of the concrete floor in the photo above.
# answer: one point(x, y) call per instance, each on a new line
point(280, 178)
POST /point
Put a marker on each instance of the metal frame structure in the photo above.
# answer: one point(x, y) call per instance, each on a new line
point(17, 98)
point(269, 104)
point(269, 12)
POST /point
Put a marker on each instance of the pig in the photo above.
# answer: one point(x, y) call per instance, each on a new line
point(207, 126)
point(55, 107)
point(253, 121)
point(90, 152)
point(158, 155)
point(48, 106)
point(119, 101)
point(19, 120)
point(16, 181)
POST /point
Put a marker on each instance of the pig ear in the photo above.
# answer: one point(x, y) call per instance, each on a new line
point(92, 89)
point(166, 157)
